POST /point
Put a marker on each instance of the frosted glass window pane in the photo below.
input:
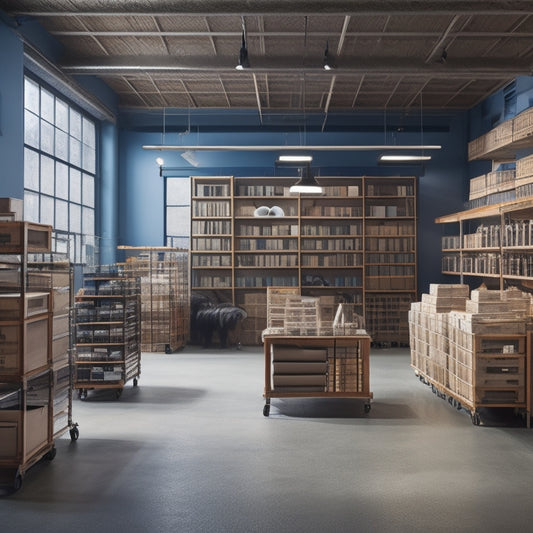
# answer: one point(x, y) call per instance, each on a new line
point(75, 152)
point(47, 106)
point(61, 145)
point(47, 175)
point(178, 191)
point(47, 137)
point(61, 215)
point(89, 133)
point(31, 169)
point(178, 220)
point(88, 158)
point(31, 206)
point(75, 218)
point(61, 115)
point(62, 181)
point(75, 124)
point(75, 186)
point(47, 210)
point(31, 95)
point(88, 190)
point(31, 129)
point(88, 221)
point(77, 249)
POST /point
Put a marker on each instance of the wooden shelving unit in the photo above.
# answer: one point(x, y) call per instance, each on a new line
point(356, 244)
point(503, 141)
point(493, 242)
point(165, 300)
point(107, 323)
point(35, 372)
point(317, 367)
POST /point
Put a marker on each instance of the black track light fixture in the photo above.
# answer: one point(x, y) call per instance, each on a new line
point(307, 183)
point(243, 55)
point(327, 64)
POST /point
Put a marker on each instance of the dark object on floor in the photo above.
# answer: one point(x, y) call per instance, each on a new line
point(208, 319)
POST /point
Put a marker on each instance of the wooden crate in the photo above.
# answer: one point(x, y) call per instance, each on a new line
point(523, 125)
point(14, 235)
point(23, 346)
point(14, 206)
point(22, 433)
point(14, 307)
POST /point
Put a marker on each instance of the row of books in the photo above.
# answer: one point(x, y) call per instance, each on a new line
point(212, 208)
point(211, 227)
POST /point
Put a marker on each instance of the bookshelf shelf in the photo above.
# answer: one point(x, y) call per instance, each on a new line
point(322, 245)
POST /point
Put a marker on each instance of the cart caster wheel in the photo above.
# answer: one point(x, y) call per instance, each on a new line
point(367, 408)
point(266, 410)
point(476, 420)
point(135, 382)
point(50, 456)
point(118, 393)
point(74, 433)
point(17, 482)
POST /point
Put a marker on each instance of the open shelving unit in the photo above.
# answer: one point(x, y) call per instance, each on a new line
point(165, 307)
point(35, 365)
point(107, 323)
point(355, 243)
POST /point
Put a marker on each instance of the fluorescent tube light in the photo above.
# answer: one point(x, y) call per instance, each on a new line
point(394, 157)
point(296, 158)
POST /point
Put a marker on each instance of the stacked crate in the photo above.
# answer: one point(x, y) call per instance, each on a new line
point(428, 328)
point(472, 349)
point(487, 341)
point(524, 177)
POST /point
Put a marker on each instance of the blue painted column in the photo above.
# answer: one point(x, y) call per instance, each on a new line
point(108, 198)
point(11, 114)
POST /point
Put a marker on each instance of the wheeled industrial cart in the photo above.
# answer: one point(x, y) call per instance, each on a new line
point(317, 367)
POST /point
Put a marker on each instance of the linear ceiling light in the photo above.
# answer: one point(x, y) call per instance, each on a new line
point(399, 157)
point(284, 148)
point(295, 158)
point(307, 183)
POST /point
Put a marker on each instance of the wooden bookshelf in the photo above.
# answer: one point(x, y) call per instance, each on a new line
point(355, 243)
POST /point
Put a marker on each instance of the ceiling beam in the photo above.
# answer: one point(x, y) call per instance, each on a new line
point(294, 7)
point(318, 34)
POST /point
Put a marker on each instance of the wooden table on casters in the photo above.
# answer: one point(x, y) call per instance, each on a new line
point(343, 354)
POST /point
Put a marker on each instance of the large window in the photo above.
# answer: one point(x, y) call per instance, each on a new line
point(60, 168)
point(178, 212)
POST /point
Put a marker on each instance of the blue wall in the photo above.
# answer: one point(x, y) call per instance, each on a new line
point(11, 114)
point(442, 183)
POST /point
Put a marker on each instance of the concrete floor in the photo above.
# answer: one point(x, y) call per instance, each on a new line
point(190, 451)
